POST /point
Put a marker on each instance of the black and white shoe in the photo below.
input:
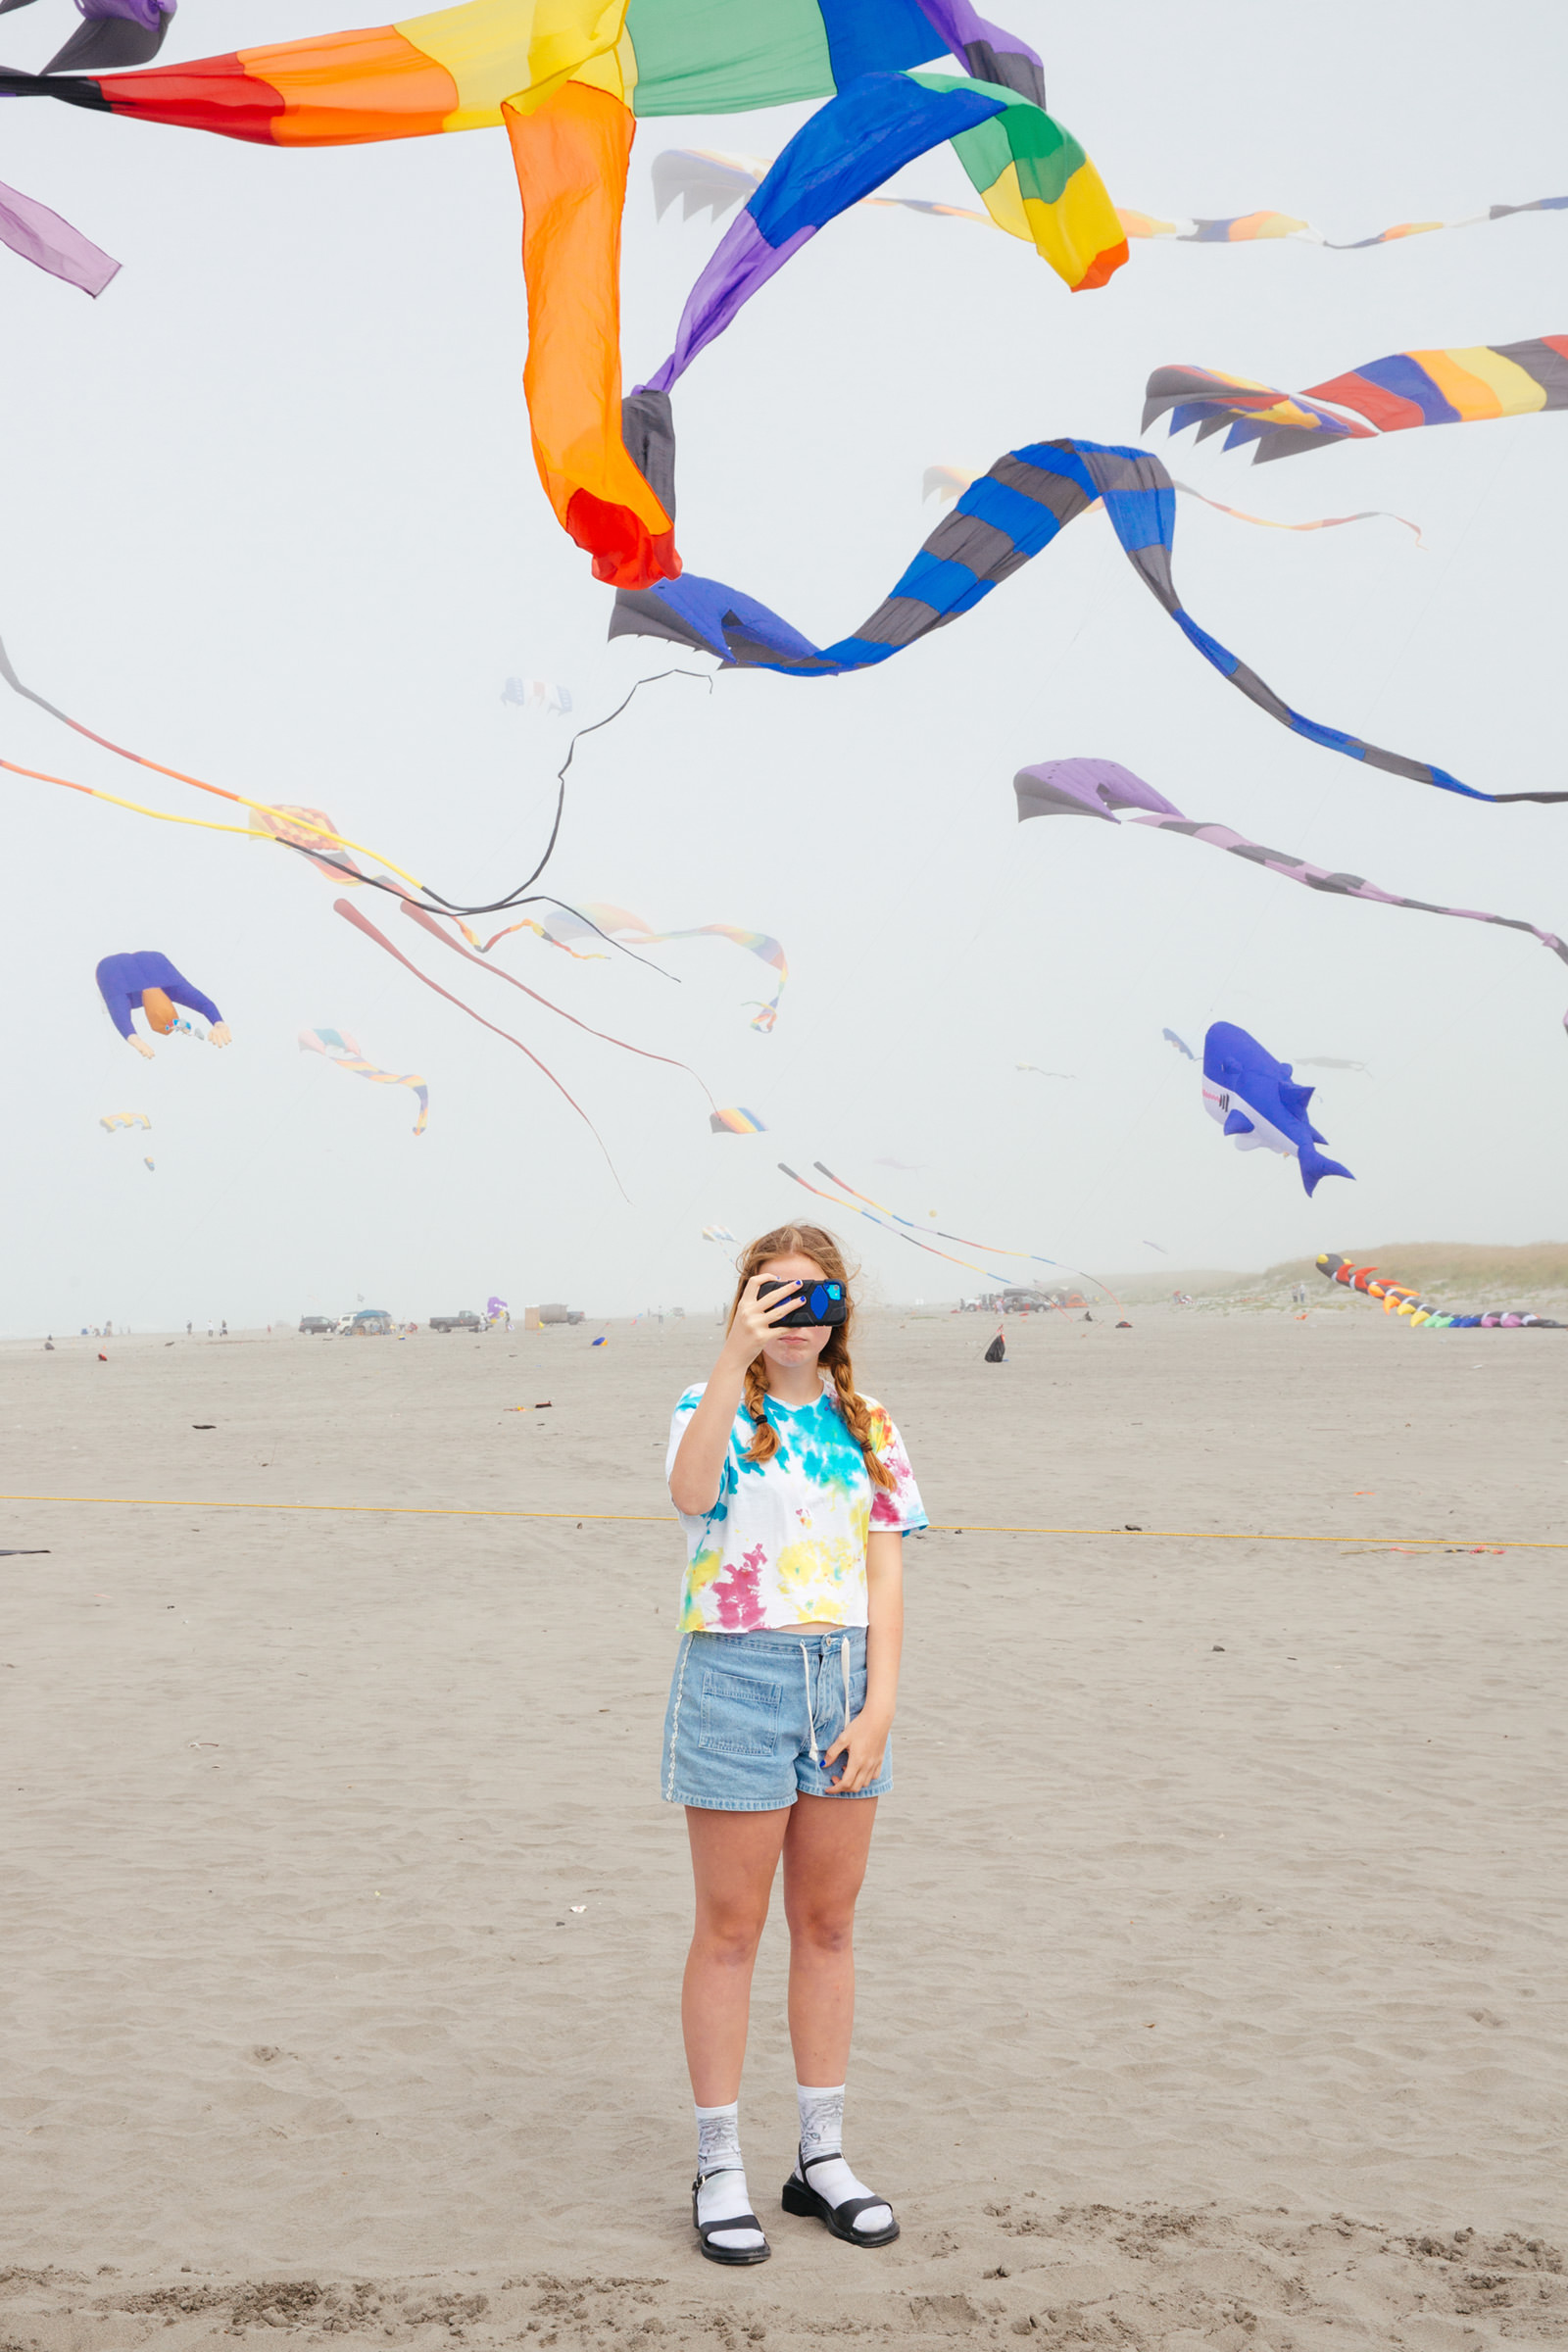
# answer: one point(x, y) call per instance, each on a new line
point(733, 2257)
point(800, 2197)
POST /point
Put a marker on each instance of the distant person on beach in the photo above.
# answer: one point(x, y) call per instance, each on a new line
point(149, 981)
point(795, 1493)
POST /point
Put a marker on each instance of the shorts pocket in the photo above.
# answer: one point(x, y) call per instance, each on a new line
point(740, 1717)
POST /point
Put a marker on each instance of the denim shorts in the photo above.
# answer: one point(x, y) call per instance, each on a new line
point(751, 1717)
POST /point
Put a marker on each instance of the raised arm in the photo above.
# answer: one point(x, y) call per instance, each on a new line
point(116, 993)
point(696, 1472)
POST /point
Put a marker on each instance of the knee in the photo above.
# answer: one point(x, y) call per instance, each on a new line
point(730, 1939)
point(830, 1932)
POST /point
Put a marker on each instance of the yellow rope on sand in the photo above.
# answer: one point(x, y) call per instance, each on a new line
point(971, 1527)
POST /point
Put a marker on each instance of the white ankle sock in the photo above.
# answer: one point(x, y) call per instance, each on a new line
point(718, 2152)
point(822, 2135)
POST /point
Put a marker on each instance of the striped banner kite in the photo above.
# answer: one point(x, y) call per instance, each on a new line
point(1410, 388)
point(345, 1054)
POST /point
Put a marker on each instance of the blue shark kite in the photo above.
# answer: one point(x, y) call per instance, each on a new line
point(1256, 1099)
point(1005, 516)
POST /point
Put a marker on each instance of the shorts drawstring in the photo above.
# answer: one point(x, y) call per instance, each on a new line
point(811, 1717)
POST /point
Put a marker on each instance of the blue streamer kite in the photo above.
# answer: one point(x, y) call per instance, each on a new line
point(1005, 515)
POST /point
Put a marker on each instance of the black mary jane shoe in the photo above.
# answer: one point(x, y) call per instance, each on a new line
point(732, 2257)
point(802, 2198)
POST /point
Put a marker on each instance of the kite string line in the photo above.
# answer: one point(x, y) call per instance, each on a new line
point(971, 1527)
point(324, 833)
point(993, 1248)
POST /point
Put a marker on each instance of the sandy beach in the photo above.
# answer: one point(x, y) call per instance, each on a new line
point(1212, 1951)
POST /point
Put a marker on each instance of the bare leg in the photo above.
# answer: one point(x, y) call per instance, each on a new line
point(734, 1856)
point(825, 1849)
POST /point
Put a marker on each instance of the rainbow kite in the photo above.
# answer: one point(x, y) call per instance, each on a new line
point(567, 79)
point(1399, 1299)
point(737, 1121)
point(1393, 395)
point(344, 1053)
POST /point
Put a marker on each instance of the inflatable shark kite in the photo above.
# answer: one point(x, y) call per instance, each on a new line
point(1256, 1099)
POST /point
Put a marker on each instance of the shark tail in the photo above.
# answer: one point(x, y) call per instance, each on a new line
point(1314, 1167)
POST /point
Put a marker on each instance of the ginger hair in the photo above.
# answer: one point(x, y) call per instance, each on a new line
point(160, 1012)
point(809, 1241)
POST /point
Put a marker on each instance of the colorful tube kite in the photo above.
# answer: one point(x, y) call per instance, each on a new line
point(345, 1054)
point(1005, 516)
point(596, 920)
point(567, 79)
point(1036, 180)
point(1393, 395)
point(1418, 1311)
point(1099, 788)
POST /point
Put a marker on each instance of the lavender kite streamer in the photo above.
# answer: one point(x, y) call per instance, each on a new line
point(1100, 787)
point(41, 237)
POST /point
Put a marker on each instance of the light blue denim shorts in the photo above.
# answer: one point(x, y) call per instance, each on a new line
point(751, 1717)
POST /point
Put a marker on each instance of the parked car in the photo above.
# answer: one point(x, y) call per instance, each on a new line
point(466, 1321)
point(561, 1314)
point(317, 1326)
point(369, 1323)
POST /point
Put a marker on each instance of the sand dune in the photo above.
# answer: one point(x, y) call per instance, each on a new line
point(1211, 1953)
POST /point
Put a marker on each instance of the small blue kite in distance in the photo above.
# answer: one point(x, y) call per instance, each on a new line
point(1256, 1099)
point(1180, 1044)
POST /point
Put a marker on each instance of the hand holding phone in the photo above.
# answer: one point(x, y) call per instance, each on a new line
point(821, 1302)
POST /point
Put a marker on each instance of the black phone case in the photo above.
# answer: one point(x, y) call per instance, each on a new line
point(825, 1302)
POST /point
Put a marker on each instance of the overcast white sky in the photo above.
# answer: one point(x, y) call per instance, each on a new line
point(271, 516)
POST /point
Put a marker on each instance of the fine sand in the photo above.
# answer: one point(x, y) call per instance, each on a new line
point(1211, 1953)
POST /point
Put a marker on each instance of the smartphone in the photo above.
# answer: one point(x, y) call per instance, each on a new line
point(822, 1303)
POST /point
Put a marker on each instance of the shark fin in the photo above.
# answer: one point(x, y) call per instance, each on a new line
point(1238, 1123)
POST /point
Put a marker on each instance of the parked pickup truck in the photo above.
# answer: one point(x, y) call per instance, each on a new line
point(466, 1321)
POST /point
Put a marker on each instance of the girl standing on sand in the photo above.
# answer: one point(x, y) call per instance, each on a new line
point(795, 1493)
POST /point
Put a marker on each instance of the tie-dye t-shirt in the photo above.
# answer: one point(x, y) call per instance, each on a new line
point(785, 1541)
